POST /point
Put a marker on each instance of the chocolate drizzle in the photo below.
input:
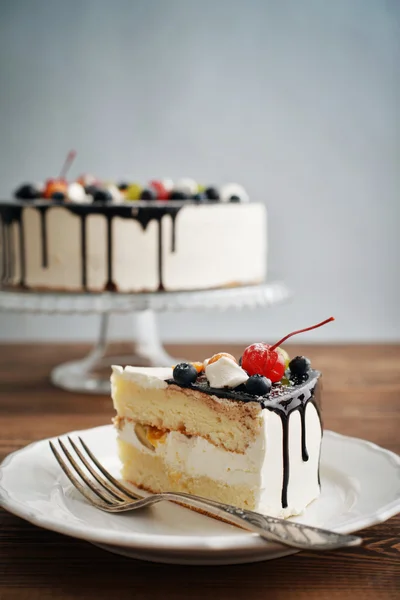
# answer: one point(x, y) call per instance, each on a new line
point(285, 459)
point(284, 399)
point(11, 213)
point(173, 237)
point(43, 235)
point(142, 212)
point(83, 251)
point(110, 285)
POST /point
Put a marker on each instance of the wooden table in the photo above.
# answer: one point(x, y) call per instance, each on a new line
point(362, 398)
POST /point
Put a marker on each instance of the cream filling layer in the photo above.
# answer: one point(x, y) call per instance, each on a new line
point(260, 468)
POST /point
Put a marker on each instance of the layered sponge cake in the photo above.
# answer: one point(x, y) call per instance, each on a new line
point(224, 430)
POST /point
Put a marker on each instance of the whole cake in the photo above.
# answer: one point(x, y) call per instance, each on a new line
point(245, 433)
point(89, 235)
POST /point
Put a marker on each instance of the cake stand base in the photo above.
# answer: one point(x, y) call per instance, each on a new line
point(92, 373)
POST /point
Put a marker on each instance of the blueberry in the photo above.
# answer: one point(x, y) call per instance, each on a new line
point(58, 197)
point(102, 197)
point(240, 361)
point(234, 199)
point(258, 385)
point(212, 193)
point(185, 374)
point(199, 197)
point(123, 186)
point(299, 366)
point(148, 194)
point(91, 189)
point(27, 192)
point(177, 195)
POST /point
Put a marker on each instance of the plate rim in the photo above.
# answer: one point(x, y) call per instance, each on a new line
point(181, 544)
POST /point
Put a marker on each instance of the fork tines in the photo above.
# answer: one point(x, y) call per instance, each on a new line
point(106, 491)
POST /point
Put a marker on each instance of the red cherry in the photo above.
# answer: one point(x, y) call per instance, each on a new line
point(261, 359)
point(264, 359)
point(159, 188)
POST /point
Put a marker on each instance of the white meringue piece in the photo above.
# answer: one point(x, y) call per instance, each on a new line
point(168, 184)
point(233, 189)
point(188, 186)
point(115, 193)
point(76, 193)
point(225, 372)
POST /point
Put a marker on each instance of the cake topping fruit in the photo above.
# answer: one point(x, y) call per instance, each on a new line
point(199, 197)
point(55, 185)
point(199, 366)
point(185, 374)
point(258, 385)
point(157, 189)
point(60, 183)
point(133, 191)
point(216, 357)
point(160, 191)
point(27, 192)
point(299, 366)
point(148, 194)
point(211, 193)
point(285, 356)
point(261, 359)
point(177, 195)
point(225, 373)
point(102, 197)
point(267, 360)
point(58, 197)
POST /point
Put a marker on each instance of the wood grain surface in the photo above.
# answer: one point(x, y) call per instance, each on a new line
point(361, 398)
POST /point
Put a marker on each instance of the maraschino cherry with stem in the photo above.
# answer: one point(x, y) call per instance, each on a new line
point(59, 184)
point(265, 359)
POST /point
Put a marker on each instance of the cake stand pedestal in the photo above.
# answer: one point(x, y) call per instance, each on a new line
point(91, 374)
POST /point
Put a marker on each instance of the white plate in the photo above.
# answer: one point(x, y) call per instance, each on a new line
point(360, 487)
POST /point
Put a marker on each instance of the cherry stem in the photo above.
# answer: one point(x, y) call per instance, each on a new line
point(67, 163)
point(301, 331)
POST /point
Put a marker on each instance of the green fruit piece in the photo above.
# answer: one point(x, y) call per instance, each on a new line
point(285, 356)
point(133, 192)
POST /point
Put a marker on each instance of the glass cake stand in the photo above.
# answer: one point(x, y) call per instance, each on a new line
point(91, 374)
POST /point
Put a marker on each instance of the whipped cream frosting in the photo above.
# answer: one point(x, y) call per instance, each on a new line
point(132, 246)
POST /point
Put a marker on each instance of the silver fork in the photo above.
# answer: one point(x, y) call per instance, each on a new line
point(105, 492)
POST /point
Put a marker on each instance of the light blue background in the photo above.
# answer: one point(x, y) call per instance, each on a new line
point(298, 100)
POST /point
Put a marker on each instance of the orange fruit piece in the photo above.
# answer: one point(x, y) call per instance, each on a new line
point(216, 357)
point(55, 185)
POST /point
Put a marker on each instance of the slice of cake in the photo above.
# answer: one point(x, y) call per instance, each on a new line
point(246, 434)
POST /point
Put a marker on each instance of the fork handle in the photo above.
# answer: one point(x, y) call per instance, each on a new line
point(285, 532)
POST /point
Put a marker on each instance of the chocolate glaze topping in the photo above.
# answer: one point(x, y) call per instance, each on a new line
point(142, 212)
point(283, 399)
